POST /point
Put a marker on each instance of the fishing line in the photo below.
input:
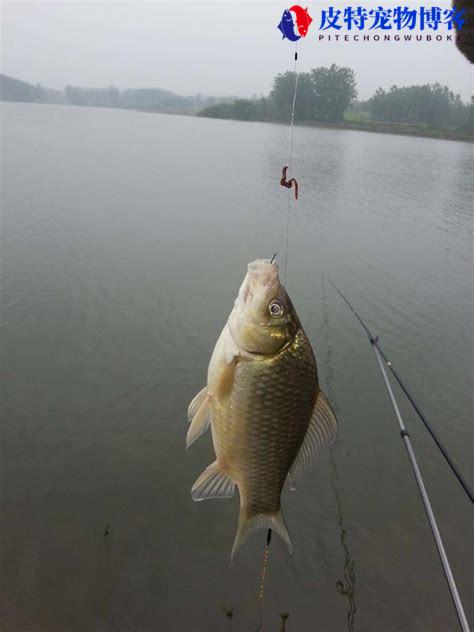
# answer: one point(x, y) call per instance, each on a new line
point(291, 141)
point(261, 587)
point(265, 564)
point(289, 184)
point(416, 471)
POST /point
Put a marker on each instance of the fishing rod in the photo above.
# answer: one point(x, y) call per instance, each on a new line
point(416, 471)
point(374, 341)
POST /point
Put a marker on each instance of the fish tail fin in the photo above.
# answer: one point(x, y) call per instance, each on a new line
point(246, 526)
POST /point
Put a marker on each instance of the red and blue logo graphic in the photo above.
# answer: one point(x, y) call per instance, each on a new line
point(295, 22)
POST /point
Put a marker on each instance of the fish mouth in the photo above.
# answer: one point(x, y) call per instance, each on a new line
point(262, 272)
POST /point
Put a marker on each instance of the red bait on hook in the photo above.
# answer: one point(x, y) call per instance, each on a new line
point(288, 183)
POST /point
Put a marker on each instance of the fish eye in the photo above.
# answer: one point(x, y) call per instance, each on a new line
point(275, 308)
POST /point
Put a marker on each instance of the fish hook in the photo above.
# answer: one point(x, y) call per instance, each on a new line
point(288, 183)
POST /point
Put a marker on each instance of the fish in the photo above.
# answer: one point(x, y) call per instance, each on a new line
point(303, 19)
point(286, 26)
point(267, 414)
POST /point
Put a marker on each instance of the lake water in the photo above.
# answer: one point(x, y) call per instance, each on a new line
point(125, 239)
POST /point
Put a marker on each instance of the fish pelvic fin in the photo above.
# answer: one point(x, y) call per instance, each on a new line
point(246, 526)
point(213, 483)
point(196, 403)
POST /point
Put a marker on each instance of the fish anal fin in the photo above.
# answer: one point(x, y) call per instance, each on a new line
point(213, 483)
point(321, 432)
point(246, 526)
point(200, 420)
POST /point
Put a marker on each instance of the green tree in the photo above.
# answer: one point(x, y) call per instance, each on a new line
point(283, 92)
point(334, 90)
point(430, 104)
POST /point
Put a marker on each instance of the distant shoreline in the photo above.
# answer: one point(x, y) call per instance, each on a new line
point(399, 129)
point(374, 127)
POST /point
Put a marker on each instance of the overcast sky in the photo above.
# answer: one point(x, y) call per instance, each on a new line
point(215, 48)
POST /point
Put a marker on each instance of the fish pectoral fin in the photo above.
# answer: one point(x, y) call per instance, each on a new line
point(199, 414)
point(321, 432)
point(246, 526)
point(225, 379)
point(213, 483)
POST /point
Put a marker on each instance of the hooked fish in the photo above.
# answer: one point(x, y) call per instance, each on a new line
point(267, 414)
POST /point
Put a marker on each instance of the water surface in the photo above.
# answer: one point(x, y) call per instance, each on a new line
point(125, 238)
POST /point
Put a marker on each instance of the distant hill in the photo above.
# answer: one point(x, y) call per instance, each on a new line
point(152, 99)
point(16, 90)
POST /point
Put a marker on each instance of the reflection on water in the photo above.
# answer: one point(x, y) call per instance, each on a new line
point(115, 286)
point(347, 586)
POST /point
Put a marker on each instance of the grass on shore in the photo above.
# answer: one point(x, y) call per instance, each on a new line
point(405, 129)
point(361, 121)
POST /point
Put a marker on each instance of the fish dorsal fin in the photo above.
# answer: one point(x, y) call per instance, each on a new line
point(213, 483)
point(321, 432)
point(199, 416)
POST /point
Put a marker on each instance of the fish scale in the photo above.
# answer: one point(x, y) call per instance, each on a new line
point(259, 430)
